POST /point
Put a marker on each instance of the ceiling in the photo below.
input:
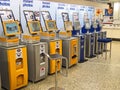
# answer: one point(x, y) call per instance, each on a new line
point(104, 1)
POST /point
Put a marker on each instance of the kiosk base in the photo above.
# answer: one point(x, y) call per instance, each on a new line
point(14, 67)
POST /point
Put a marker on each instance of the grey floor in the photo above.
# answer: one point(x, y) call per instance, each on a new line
point(95, 74)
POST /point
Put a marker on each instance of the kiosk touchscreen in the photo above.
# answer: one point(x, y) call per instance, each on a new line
point(68, 26)
point(34, 27)
point(51, 25)
point(76, 23)
point(11, 28)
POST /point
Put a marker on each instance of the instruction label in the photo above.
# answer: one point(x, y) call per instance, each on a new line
point(42, 71)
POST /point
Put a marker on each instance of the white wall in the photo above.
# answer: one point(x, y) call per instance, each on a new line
point(81, 2)
point(113, 33)
point(116, 10)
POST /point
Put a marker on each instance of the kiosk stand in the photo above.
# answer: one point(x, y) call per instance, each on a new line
point(70, 44)
point(54, 44)
point(37, 61)
point(95, 28)
point(90, 38)
point(82, 38)
point(14, 72)
point(56, 57)
point(99, 34)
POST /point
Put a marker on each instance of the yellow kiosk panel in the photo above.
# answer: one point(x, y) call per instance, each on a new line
point(74, 51)
point(55, 47)
point(14, 62)
point(17, 67)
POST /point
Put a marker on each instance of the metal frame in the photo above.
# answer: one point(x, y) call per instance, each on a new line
point(55, 57)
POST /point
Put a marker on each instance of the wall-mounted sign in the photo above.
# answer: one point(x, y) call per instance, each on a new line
point(61, 6)
point(27, 3)
point(4, 2)
point(73, 7)
point(45, 4)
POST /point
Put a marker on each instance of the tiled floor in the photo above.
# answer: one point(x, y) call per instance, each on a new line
point(95, 74)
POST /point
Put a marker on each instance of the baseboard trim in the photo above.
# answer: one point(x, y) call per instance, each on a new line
point(116, 39)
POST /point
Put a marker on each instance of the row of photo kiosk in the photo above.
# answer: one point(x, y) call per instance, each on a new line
point(25, 58)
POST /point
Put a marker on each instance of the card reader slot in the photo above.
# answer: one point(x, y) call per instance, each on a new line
point(74, 56)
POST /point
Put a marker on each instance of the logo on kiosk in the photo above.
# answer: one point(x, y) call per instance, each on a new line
point(18, 53)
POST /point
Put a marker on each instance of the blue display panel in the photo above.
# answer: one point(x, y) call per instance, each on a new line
point(11, 28)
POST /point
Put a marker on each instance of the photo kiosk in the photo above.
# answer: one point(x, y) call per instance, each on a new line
point(82, 38)
point(98, 35)
point(37, 61)
point(90, 37)
point(54, 44)
point(70, 44)
point(14, 71)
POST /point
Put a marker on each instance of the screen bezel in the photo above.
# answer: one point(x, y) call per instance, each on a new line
point(30, 29)
point(5, 29)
